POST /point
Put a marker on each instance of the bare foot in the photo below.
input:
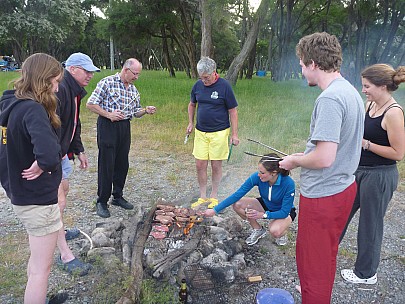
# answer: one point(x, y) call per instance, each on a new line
point(298, 288)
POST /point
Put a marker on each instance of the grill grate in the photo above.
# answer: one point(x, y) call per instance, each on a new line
point(204, 288)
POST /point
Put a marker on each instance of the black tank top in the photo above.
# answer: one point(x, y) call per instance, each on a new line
point(377, 135)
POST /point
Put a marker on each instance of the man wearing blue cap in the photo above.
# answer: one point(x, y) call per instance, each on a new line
point(78, 73)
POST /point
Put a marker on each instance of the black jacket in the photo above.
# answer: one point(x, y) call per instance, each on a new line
point(68, 90)
point(27, 135)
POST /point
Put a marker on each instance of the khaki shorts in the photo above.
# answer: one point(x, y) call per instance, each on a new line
point(39, 220)
point(211, 145)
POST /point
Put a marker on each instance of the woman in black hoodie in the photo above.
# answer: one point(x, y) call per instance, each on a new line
point(30, 158)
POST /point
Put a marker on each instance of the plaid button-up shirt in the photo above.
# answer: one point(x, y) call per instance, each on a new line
point(111, 94)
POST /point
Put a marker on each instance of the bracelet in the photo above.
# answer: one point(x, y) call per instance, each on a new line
point(146, 111)
point(366, 145)
point(80, 153)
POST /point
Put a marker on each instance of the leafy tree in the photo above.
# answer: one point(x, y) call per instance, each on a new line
point(38, 25)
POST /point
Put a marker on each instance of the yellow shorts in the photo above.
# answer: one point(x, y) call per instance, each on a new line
point(39, 220)
point(211, 145)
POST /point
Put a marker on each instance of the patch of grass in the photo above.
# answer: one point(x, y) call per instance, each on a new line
point(162, 293)
point(113, 278)
point(263, 250)
point(14, 256)
point(350, 254)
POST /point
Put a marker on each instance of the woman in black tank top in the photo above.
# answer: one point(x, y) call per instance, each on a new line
point(377, 175)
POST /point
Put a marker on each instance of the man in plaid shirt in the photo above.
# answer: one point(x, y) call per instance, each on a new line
point(116, 100)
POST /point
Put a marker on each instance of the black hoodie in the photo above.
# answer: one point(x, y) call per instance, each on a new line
point(27, 135)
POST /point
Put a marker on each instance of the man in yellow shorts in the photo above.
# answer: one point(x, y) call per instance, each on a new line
point(217, 119)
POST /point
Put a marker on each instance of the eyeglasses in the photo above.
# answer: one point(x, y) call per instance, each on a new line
point(205, 78)
point(135, 74)
point(87, 72)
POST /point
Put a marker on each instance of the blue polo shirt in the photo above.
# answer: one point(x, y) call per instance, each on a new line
point(279, 198)
point(214, 101)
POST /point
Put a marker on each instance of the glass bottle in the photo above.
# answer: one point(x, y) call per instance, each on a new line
point(183, 294)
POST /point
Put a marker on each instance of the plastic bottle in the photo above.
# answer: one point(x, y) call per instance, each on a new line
point(183, 294)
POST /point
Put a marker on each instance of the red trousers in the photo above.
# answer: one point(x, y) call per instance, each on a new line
point(320, 224)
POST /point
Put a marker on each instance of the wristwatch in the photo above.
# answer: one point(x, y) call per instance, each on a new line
point(265, 215)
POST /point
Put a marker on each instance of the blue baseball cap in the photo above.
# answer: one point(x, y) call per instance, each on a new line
point(81, 60)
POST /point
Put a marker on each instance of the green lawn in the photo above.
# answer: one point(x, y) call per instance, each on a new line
point(277, 114)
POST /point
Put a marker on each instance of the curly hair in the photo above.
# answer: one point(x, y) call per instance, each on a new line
point(383, 74)
point(271, 166)
point(35, 83)
point(321, 48)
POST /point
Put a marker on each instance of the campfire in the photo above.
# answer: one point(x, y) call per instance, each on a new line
point(174, 222)
point(171, 243)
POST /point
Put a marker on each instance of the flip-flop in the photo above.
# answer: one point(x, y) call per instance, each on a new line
point(71, 234)
point(213, 203)
point(199, 202)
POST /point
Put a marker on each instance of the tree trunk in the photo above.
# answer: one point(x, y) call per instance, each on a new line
point(251, 62)
point(188, 38)
point(237, 63)
point(206, 28)
point(270, 52)
point(166, 54)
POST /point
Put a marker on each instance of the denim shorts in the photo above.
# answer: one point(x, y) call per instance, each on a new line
point(66, 167)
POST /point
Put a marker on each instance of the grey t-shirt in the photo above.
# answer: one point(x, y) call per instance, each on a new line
point(338, 117)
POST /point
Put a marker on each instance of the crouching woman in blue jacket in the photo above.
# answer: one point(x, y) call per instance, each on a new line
point(276, 201)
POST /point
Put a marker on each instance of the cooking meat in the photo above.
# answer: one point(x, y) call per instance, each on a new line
point(164, 219)
point(159, 235)
point(165, 208)
point(162, 228)
point(183, 212)
point(182, 219)
point(162, 212)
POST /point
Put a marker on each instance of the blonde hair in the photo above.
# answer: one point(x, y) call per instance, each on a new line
point(35, 83)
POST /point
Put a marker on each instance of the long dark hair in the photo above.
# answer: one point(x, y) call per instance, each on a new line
point(271, 166)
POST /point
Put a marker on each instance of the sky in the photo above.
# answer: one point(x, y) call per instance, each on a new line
point(255, 3)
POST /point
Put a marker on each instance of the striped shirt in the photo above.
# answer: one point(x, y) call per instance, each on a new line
point(111, 94)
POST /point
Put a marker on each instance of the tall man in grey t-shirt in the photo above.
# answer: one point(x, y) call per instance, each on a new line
point(328, 164)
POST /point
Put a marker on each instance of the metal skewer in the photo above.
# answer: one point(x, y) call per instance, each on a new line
point(268, 158)
point(271, 148)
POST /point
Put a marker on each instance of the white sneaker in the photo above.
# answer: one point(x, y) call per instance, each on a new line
point(350, 276)
point(256, 235)
point(282, 241)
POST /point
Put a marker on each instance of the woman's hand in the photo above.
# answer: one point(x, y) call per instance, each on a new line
point(209, 212)
point(32, 172)
point(253, 214)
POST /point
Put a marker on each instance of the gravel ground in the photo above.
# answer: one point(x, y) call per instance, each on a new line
point(155, 174)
